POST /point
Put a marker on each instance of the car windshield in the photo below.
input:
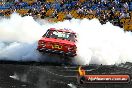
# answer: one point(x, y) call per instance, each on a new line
point(61, 35)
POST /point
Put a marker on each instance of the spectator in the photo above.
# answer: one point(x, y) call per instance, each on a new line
point(103, 9)
point(69, 16)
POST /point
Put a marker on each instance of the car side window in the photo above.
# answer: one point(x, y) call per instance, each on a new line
point(47, 34)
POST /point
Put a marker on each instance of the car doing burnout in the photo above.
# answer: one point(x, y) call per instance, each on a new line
point(58, 41)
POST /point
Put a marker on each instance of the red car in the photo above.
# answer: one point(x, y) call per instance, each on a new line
point(58, 41)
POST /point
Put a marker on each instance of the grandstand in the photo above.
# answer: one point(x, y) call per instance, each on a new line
point(118, 12)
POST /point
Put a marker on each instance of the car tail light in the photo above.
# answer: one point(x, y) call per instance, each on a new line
point(42, 43)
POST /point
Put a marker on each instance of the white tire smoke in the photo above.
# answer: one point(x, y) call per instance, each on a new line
point(97, 44)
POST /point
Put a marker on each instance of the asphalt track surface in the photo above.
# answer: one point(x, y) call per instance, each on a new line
point(41, 75)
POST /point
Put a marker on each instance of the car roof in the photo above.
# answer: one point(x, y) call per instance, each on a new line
point(63, 30)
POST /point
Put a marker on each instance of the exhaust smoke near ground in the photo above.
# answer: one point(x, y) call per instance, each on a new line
point(97, 44)
point(18, 38)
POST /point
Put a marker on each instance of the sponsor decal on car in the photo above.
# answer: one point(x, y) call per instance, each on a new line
point(56, 47)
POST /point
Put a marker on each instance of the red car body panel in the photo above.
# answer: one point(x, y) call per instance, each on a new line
point(63, 43)
point(58, 41)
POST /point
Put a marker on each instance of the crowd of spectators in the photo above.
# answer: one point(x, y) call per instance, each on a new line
point(104, 10)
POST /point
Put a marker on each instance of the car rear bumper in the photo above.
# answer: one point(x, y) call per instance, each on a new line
point(70, 54)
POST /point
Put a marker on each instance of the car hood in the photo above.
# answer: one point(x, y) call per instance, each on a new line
point(58, 41)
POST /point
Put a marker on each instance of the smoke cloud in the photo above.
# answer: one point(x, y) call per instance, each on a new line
point(97, 44)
